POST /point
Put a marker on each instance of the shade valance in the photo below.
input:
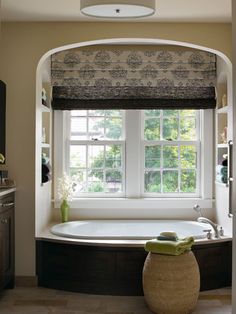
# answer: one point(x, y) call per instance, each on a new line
point(133, 79)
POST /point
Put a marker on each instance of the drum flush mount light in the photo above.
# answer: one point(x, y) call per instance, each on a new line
point(118, 8)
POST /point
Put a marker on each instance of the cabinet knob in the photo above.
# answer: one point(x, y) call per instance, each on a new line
point(4, 221)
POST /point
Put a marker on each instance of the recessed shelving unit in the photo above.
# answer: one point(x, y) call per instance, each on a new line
point(46, 124)
point(223, 133)
point(221, 117)
point(43, 138)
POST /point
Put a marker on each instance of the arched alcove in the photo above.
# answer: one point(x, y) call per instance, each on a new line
point(44, 193)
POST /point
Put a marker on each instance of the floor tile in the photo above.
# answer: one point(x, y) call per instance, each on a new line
point(48, 301)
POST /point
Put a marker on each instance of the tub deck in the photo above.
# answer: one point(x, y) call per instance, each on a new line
point(128, 229)
point(115, 266)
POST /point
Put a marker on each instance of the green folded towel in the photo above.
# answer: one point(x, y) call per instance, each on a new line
point(166, 238)
point(169, 247)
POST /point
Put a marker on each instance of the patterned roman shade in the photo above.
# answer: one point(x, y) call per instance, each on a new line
point(133, 79)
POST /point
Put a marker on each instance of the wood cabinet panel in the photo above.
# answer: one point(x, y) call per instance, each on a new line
point(118, 270)
point(216, 265)
point(7, 263)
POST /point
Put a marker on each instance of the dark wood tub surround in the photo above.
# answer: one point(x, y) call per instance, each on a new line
point(118, 270)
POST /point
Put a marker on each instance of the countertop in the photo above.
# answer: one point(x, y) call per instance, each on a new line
point(6, 191)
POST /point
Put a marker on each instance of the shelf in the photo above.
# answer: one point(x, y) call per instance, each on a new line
point(222, 145)
point(44, 108)
point(222, 109)
point(46, 127)
point(224, 185)
point(45, 145)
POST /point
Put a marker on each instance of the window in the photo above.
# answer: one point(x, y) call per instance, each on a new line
point(135, 154)
point(96, 151)
point(171, 152)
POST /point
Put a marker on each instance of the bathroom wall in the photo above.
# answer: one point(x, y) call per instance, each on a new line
point(234, 159)
point(22, 45)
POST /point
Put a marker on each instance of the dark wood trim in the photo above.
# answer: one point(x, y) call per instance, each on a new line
point(118, 270)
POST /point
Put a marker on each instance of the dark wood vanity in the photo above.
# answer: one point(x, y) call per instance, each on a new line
point(7, 247)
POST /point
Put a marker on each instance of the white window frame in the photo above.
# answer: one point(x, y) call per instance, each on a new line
point(196, 143)
point(134, 197)
point(101, 143)
point(65, 121)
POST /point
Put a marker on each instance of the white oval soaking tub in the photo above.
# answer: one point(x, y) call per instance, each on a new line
point(128, 229)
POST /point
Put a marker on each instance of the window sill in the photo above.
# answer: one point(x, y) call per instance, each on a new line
point(138, 203)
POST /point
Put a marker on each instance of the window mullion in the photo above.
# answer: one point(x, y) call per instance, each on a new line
point(104, 165)
point(87, 150)
point(105, 120)
point(198, 167)
point(86, 173)
point(179, 160)
point(92, 142)
point(66, 140)
point(179, 168)
point(87, 123)
point(161, 141)
point(134, 162)
point(161, 170)
point(161, 125)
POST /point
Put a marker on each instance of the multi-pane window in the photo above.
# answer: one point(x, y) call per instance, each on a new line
point(96, 151)
point(171, 152)
point(166, 162)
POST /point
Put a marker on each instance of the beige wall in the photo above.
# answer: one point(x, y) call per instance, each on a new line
point(22, 45)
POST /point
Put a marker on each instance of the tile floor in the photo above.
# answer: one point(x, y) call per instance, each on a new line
point(41, 301)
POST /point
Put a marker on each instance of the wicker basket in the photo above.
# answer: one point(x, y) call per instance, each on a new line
point(171, 283)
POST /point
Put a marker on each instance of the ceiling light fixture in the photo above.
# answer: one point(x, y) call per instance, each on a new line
point(118, 8)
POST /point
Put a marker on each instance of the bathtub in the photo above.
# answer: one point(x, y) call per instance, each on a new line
point(128, 229)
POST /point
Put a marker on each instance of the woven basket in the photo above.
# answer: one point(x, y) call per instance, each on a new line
point(171, 283)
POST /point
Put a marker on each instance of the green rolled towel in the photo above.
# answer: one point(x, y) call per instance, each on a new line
point(221, 178)
point(169, 247)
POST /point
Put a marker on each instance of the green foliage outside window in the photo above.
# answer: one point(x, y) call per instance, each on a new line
point(169, 167)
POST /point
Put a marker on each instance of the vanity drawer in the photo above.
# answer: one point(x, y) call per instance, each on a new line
point(6, 202)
